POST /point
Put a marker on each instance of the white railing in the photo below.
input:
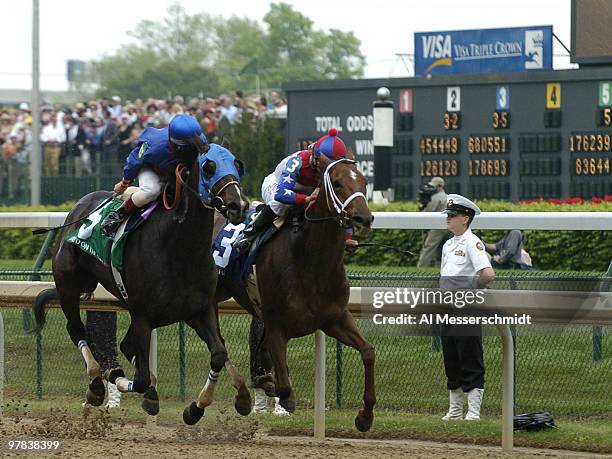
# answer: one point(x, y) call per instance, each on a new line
point(383, 220)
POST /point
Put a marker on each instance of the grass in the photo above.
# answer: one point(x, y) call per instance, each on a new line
point(585, 435)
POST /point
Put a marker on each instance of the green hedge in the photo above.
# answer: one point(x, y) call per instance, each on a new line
point(550, 250)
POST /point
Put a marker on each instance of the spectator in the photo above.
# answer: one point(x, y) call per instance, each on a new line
point(163, 116)
point(110, 144)
point(75, 143)
point(53, 136)
point(8, 168)
point(434, 200)
point(227, 110)
point(116, 108)
point(509, 252)
point(124, 129)
point(279, 110)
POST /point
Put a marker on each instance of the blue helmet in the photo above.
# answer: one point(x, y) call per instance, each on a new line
point(182, 128)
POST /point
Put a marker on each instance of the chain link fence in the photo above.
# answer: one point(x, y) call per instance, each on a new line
point(566, 370)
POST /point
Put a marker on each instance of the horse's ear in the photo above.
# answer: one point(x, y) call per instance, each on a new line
point(349, 154)
point(225, 143)
point(239, 167)
point(322, 162)
point(209, 168)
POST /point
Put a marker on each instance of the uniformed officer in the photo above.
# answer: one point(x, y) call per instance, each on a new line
point(465, 265)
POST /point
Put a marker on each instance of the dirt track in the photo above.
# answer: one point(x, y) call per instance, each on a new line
point(99, 435)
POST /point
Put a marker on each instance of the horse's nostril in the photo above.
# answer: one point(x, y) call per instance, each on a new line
point(362, 221)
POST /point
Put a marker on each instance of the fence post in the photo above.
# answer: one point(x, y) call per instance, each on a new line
point(1, 364)
point(597, 330)
point(319, 395)
point(35, 276)
point(182, 361)
point(338, 374)
point(39, 366)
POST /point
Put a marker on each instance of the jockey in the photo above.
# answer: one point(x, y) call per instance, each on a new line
point(157, 154)
point(293, 182)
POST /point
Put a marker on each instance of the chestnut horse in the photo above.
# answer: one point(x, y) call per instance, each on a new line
point(303, 285)
point(169, 275)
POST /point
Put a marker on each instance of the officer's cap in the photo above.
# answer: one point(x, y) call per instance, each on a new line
point(457, 204)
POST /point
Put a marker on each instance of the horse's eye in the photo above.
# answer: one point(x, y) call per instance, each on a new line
point(337, 184)
point(209, 169)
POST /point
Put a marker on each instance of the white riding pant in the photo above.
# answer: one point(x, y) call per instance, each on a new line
point(268, 190)
point(149, 185)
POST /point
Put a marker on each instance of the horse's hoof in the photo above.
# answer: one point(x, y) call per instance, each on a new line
point(288, 404)
point(114, 373)
point(363, 421)
point(150, 401)
point(242, 403)
point(95, 392)
point(192, 414)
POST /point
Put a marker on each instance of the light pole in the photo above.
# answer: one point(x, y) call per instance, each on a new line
point(35, 154)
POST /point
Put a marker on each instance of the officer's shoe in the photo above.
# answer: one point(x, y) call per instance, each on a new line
point(278, 408)
point(261, 402)
point(257, 226)
point(455, 409)
point(113, 221)
point(474, 401)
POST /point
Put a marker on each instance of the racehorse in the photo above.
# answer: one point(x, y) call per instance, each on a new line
point(303, 285)
point(169, 275)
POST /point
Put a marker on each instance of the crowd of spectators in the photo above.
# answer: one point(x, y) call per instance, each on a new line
point(77, 140)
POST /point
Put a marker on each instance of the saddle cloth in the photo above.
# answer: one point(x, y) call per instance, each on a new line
point(109, 251)
point(232, 265)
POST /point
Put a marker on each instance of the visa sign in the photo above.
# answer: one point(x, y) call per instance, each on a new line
point(480, 51)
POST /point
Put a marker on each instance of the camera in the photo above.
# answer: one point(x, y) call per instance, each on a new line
point(425, 193)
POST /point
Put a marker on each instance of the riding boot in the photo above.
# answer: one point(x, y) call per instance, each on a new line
point(113, 220)
point(261, 402)
point(257, 226)
point(455, 409)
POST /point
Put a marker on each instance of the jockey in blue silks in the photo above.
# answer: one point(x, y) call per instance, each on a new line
point(157, 154)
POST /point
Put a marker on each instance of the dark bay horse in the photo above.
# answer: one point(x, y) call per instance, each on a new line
point(169, 275)
point(303, 284)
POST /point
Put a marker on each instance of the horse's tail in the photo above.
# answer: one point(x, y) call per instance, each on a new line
point(42, 298)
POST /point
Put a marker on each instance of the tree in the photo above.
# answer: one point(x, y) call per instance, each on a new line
point(202, 54)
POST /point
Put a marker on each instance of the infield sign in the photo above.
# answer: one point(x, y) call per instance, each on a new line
point(479, 51)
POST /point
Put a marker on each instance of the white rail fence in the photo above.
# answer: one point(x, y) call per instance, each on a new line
point(600, 312)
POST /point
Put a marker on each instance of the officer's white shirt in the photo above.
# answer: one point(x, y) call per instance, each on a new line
point(464, 255)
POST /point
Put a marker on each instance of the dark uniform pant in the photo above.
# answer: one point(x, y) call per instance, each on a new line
point(463, 357)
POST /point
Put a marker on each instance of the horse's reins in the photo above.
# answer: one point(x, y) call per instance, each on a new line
point(339, 205)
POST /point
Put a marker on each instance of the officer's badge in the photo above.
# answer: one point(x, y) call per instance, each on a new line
point(143, 149)
point(479, 245)
point(459, 253)
point(449, 204)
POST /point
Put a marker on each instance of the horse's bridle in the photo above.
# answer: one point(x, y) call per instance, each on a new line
point(330, 194)
point(214, 203)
